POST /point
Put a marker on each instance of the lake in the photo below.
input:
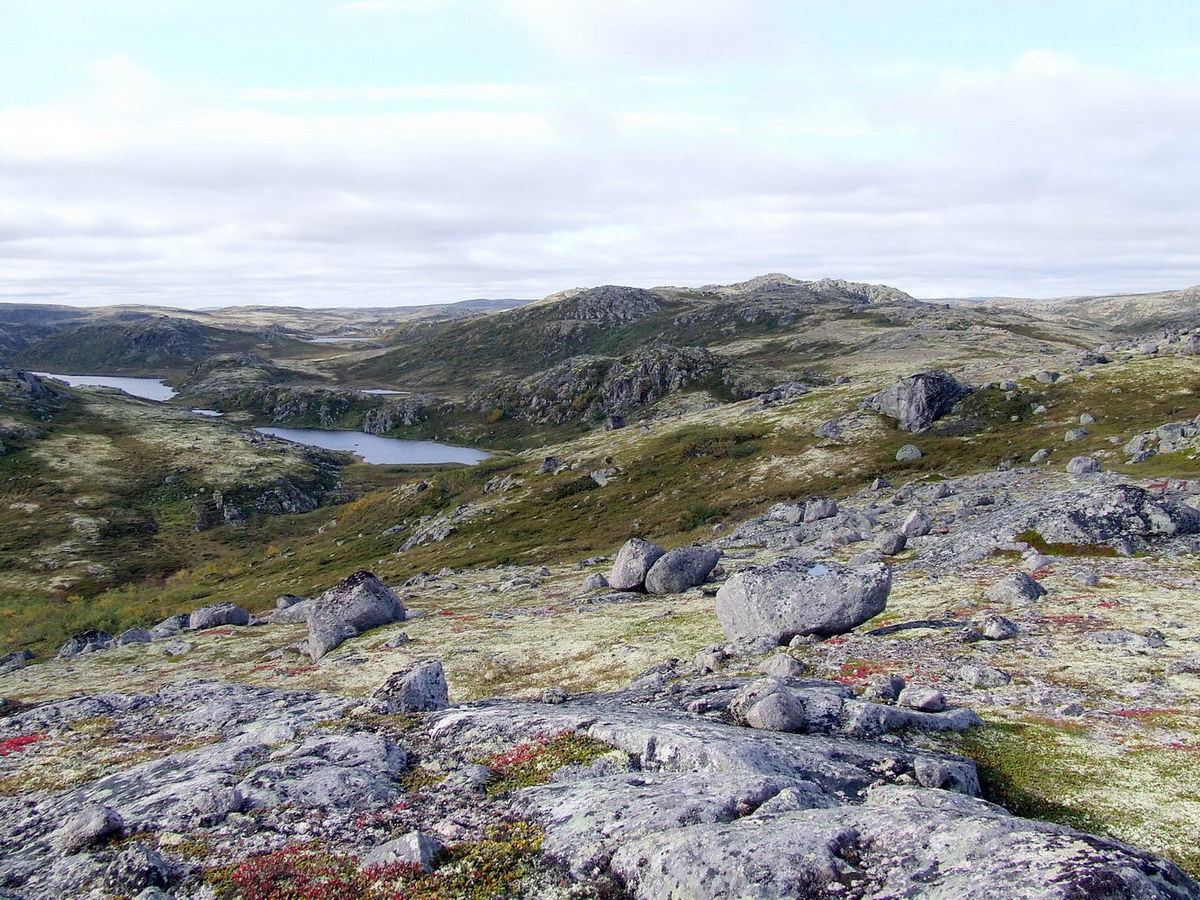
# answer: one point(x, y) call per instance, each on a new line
point(335, 340)
point(147, 388)
point(379, 450)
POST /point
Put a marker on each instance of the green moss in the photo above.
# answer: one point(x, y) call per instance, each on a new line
point(533, 762)
point(1040, 544)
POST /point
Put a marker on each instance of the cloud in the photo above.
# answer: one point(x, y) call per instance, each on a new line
point(1041, 177)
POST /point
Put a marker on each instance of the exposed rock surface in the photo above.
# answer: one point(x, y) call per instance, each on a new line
point(633, 563)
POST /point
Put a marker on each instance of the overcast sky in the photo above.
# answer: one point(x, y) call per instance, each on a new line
point(380, 152)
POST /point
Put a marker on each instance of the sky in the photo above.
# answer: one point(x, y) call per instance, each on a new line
point(201, 153)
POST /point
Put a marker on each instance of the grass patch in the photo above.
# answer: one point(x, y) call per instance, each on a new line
point(534, 762)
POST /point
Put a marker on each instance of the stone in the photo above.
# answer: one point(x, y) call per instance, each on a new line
point(91, 825)
point(594, 582)
point(550, 465)
point(1075, 434)
point(217, 616)
point(891, 542)
point(353, 605)
point(632, 564)
point(1046, 377)
point(791, 597)
point(909, 453)
point(416, 847)
point(883, 688)
point(678, 570)
point(170, 626)
point(918, 524)
point(1087, 419)
point(978, 675)
point(820, 508)
point(85, 642)
point(782, 665)
point(284, 601)
point(18, 659)
point(923, 699)
point(767, 704)
point(136, 868)
point(1015, 588)
point(135, 635)
point(1040, 456)
point(399, 639)
point(177, 648)
point(1036, 562)
point(998, 628)
point(1083, 465)
point(710, 659)
point(418, 687)
point(919, 400)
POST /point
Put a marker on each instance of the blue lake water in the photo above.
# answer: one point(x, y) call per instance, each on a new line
point(380, 391)
point(148, 388)
point(379, 450)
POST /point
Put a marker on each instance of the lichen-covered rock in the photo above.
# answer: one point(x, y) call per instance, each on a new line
point(1016, 588)
point(416, 847)
point(1083, 465)
point(919, 400)
point(86, 642)
point(793, 597)
point(678, 570)
point(418, 687)
point(88, 826)
point(633, 563)
point(352, 606)
point(217, 616)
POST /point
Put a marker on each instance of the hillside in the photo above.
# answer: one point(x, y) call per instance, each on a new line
point(857, 572)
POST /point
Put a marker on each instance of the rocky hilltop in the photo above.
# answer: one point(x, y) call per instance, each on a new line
point(781, 589)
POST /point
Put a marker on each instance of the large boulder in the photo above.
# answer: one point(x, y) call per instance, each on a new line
point(918, 400)
point(793, 597)
point(1112, 513)
point(217, 616)
point(633, 563)
point(676, 571)
point(352, 606)
point(86, 642)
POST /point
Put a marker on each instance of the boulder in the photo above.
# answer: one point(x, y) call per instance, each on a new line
point(352, 606)
point(791, 597)
point(86, 642)
point(633, 563)
point(418, 687)
point(820, 508)
point(10, 662)
point(678, 570)
point(918, 524)
point(978, 675)
point(891, 542)
point(1040, 456)
point(998, 628)
point(923, 699)
point(415, 847)
point(169, 627)
point(594, 582)
point(1075, 434)
point(909, 453)
point(919, 400)
point(782, 665)
point(134, 635)
point(91, 825)
point(1083, 465)
point(217, 616)
point(768, 705)
point(1015, 588)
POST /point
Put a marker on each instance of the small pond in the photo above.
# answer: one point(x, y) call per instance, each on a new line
point(147, 388)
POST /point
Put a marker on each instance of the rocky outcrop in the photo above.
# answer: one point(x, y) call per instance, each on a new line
point(608, 303)
point(792, 597)
point(591, 388)
point(917, 401)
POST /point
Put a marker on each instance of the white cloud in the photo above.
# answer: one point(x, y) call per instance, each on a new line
point(1042, 177)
